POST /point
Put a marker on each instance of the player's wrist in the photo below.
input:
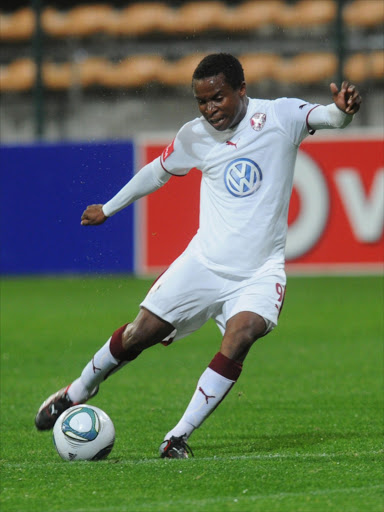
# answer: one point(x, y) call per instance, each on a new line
point(105, 212)
point(342, 110)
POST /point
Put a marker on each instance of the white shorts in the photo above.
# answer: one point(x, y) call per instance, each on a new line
point(188, 294)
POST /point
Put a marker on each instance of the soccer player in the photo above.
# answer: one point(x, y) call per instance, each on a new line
point(233, 268)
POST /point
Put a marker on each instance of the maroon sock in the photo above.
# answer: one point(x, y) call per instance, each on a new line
point(226, 367)
point(116, 344)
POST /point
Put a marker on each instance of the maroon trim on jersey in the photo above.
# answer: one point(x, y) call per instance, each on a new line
point(225, 367)
point(157, 278)
point(282, 302)
point(176, 175)
point(311, 131)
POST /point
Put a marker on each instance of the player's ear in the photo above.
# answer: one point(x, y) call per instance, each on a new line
point(243, 89)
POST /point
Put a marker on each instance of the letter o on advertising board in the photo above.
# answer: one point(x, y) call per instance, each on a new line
point(309, 225)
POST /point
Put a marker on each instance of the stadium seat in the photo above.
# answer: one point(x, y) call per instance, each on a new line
point(361, 67)
point(55, 23)
point(90, 71)
point(377, 59)
point(195, 17)
point(308, 68)
point(87, 20)
point(139, 19)
point(259, 66)
point(306, 14)
point(134, 71)
point(137, 71)
point(364, 13)
point(58, 76)
point(180, 72)
point(18, 76)
point(18, 26)
point(251, 15)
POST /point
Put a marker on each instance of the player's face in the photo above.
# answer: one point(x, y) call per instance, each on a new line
point(221, 105)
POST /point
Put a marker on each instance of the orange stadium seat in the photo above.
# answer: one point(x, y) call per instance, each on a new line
point(377, 59)
point(139, 19)
point(307, 13)
point(17, 26)
point(195, 17)
point(307, 68)
point(134, 71)
point(364, 13)
point(90, 71)
point(55, 23)
point(18, 76)
point(180, 72)
point(138, 71)
point(252, 15)
point(259, 66)
point(365, 66)
point(356, 68)
point(86, 20)
point(58, 76)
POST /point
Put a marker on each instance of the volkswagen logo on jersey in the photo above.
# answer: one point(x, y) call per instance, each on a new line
point(242, 177)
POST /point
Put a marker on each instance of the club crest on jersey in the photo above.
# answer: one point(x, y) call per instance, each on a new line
point(258, 121)
point(168, 150)
point(242, 177)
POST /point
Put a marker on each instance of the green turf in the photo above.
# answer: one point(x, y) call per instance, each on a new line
point(300, 432)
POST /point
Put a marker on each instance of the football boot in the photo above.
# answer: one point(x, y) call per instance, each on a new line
point(175, 448)
point(55, 405)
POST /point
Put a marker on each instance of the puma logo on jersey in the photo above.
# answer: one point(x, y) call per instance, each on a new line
point(230, 143)
point(207, 397)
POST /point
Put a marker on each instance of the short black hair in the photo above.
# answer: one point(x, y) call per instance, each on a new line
point(216, 63)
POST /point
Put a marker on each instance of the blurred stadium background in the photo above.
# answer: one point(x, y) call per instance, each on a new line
point(111, 69)
point(89, 72)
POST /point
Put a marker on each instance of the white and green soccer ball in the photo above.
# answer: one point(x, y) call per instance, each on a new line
point(84, 432)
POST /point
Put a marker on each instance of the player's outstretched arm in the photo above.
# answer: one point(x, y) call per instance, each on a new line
point(347, 99)
point(93, 215)
point(150, 178)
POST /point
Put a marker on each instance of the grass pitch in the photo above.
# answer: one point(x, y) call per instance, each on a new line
point(300, 432)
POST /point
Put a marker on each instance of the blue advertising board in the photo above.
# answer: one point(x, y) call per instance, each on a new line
point(44, 188)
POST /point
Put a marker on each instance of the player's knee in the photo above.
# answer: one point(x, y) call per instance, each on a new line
point(241, 335)
point(250, 331)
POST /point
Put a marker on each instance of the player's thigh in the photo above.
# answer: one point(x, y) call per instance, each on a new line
point(185, 296)
point(263, 295)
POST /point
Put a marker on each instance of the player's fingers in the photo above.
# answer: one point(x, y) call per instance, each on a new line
point(344, 86)
point(355, 98)
point(334, 89)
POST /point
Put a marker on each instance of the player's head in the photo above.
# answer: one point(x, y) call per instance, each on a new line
point(220, 90)
point(216, 63)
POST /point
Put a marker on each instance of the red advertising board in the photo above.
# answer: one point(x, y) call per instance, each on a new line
point(336, 216)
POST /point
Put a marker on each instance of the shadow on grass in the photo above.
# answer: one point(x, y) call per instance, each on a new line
point(273, 443)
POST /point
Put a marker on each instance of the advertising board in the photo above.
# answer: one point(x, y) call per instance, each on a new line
point(336, 215)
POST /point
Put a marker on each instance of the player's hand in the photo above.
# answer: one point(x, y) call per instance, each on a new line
point(348, 99)
point(93, 215)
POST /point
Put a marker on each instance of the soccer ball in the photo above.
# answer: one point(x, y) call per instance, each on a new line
point(83, 432)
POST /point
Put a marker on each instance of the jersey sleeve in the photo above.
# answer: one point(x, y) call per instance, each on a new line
point(182, 154)
point(292, 115)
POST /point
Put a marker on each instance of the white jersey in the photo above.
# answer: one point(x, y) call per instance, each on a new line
point(247, 176)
